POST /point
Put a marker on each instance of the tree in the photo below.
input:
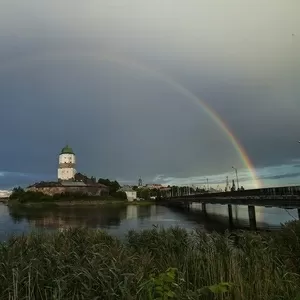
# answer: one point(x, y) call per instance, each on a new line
point(113, 185)
point(81, 177)
point(143, 193)
point(119, 195)
point(93, 179)
point(16, 193)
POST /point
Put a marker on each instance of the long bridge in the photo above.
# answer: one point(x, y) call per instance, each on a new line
point(285, 197)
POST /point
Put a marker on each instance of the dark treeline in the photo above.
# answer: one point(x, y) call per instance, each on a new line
point(19, 195)
point(113, 185)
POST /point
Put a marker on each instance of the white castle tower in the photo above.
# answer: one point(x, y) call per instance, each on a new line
point(66, 166)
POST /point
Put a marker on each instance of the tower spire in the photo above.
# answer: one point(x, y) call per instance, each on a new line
point(140, 182)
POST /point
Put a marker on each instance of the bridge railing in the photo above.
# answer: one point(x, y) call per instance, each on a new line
point(274, 191)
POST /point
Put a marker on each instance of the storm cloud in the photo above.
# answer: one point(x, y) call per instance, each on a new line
point(107, 78)
point(284, 176)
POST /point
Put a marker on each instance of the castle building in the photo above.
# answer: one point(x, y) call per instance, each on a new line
point(66, 164)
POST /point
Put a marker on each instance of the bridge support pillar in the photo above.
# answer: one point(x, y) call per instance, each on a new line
point(230, 215)
point(203, 208)
point(187, 206)
point(252, 217)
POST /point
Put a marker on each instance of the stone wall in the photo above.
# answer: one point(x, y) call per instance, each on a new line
point(87, 190)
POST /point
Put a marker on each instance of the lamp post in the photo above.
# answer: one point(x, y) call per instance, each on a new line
point(237, 178)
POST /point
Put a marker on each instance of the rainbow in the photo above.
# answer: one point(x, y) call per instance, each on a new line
point(224, 127)
point(129, 63)
point(207, 109)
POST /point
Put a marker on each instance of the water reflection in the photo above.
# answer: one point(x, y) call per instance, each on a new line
point(60, 217)
point(118, 219)
point(266, 217)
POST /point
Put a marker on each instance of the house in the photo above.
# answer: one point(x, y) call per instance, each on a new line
point(130, 193)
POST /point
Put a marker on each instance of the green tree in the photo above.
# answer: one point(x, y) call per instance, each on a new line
point(113, 185)
point(119, 195)
point(146, 194)
point(81, 177)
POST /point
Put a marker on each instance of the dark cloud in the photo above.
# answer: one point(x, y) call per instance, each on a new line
point(292, 175)
point(92, 85)
point(9, 180)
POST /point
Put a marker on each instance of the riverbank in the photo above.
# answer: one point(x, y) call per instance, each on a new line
point(78, 202)
point(19, 197)
point(152, 264)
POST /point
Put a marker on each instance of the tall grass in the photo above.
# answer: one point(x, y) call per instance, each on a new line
point(90, 264)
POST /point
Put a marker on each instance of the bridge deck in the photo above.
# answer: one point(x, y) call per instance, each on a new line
point(293, 201)
point(278, 196)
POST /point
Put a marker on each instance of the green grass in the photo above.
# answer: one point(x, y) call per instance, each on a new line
point(153, 264)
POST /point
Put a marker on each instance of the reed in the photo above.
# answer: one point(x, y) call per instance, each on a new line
point(90, 264)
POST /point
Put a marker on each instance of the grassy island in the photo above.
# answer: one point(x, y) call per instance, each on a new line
point(153, 264)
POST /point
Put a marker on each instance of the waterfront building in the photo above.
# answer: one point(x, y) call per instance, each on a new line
point(130, 193)
point(66, 164)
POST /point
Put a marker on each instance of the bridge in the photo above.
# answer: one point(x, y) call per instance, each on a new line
point(285, 197)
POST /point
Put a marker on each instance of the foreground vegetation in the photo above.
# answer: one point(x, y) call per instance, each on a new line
point(153, 264)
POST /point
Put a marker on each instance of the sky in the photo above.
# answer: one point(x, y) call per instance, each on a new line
point(124, 83)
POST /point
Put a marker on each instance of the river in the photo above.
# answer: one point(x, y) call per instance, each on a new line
point(117, 219)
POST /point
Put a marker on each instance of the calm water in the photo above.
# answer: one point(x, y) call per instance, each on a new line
point(119, 219)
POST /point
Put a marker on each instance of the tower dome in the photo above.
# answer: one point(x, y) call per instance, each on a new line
point(67, 150)
point(66, 164)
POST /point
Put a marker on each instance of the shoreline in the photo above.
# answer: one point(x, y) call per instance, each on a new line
point(83, 202)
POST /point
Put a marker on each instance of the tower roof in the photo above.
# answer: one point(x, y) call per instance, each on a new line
point(67, 150)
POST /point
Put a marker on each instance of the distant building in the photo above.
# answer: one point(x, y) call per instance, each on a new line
point(154, 186)
point(66, 164)
point(5, 194)
point(130, 193)
point(140, 182)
